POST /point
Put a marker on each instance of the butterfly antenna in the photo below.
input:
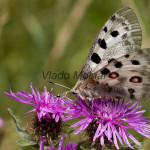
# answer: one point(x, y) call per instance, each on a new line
point(65, 93)
point(59, 85)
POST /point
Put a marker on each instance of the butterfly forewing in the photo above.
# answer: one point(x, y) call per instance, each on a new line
point(121, 34)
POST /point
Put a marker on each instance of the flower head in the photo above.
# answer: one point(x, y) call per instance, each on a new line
point(46, 104)
point(69, 146)
point(110, 119)
point(47, 116)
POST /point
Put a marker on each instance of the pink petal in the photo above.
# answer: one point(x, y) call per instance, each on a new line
point(97, 132)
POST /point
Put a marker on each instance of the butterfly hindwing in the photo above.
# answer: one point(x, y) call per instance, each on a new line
point(127, 76)
point(120, 35)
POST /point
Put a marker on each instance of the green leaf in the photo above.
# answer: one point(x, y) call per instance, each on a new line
point(82, 145)
point(25, 139)
point(21, 131)
point(136, 147)
point(26, 142)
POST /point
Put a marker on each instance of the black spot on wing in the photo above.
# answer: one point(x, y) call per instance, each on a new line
point(126, 28)
point(124, 36)
point(135, 62)
point(95, 58)
point(114, 33)
point(124, 24)
point(99, 42)
point(105, 29)
point(105, 71)
point(110, 60)
point(127, 56)
point(102, 43)
point(113, 18)
point(118, 65)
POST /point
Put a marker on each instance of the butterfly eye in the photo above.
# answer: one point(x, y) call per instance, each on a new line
point(58, 95)
point(73, 92)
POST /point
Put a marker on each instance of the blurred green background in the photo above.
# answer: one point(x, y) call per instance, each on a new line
point(38, 36)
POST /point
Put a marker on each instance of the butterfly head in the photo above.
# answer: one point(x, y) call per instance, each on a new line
point(77, 93)
point(76, 89)
point(73, 92)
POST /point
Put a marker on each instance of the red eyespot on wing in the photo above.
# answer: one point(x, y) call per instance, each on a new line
point(131, 90)
point(108, 89)
point(113, 75)
point(136, 79)
point(91, 81)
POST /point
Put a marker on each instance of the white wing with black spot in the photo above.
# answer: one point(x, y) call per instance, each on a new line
point(120, 35)
point(129, 74)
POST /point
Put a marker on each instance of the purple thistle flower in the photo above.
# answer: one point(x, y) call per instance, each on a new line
point(111, 120)
point(69, 146)
point(46, 105)
point(1, 122)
